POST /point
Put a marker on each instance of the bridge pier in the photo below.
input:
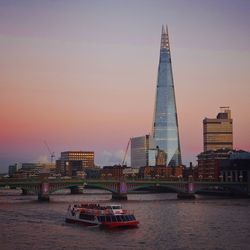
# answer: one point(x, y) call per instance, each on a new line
point(43, 197)
point(189, 194)
point(43, 194)
point(122, 191)
point(76, 190)
point(24, 191)
point(119, 196)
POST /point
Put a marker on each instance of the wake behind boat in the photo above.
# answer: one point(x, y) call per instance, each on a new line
point(94, 214)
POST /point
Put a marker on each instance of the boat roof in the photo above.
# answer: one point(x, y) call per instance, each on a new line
point(93, 203)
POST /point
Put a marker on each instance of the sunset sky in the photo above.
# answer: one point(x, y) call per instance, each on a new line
point(82, 74)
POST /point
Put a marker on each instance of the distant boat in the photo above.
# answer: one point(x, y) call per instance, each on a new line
point(109, 216)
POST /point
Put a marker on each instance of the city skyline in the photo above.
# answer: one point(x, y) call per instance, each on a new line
point(82, 76)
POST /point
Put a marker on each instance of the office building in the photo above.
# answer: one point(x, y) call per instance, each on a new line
point(218, 132)
point(142, 152)
point(165, 125)
point(13, 169)
point(71, 162)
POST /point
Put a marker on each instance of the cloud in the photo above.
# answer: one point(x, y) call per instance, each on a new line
point(108, 158)
point(42, 159)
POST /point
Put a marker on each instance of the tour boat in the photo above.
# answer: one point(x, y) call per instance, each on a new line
point(109, 216)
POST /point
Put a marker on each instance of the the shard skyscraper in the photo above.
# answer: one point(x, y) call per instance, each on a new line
point(165, 126)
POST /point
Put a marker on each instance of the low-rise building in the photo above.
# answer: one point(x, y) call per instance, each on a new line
point(131, 172)
point(28, 170)
point(209, 163)
point(161, 172)
point(178, 171)
point(93, 173)
point(112, 172)
point(223, 164)
point(236, 168)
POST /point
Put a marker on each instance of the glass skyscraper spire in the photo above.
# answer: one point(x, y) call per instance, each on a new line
point(165, 126)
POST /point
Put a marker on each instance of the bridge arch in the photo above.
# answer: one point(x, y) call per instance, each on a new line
point(168, 187)
point(102, 187)
point(94, 186)
point(222, 187)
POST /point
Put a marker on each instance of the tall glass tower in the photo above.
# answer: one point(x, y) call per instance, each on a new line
point(165, 126)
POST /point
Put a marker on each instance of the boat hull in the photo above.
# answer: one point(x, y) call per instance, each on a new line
point(120, 224)
point(106, 225)
point(85, 223)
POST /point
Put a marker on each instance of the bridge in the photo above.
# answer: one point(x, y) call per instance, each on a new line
point(120, 188)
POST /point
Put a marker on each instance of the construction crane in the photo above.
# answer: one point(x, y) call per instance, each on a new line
point(126, 152)
point(52, 154)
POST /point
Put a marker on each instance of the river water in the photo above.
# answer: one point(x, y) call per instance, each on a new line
point(165, 223)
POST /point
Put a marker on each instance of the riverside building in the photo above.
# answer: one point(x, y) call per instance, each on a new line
point(71, 162)
point(224, 164)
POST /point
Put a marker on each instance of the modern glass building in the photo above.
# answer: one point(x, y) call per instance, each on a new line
point(165, 126)
point(142, 153)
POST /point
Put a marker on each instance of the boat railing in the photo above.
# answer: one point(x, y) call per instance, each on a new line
point(100, 210)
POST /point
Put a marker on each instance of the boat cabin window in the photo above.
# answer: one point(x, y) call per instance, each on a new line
point(127, 218)
point(113, 219)
point(84, 216)
point(116, 207)
point(131, 217)
point(101, 218)
point(123, 218)
point(118, 217)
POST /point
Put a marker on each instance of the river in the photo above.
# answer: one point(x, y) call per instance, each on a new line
point(165, 223)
